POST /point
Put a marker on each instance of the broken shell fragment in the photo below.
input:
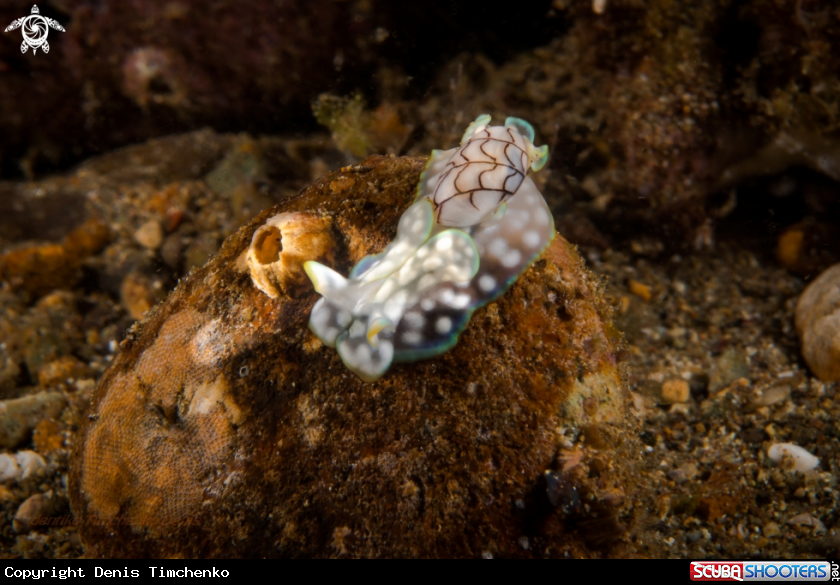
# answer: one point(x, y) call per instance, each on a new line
point(280, 247)
point(818, 324)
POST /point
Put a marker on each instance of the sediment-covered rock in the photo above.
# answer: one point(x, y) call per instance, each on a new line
point(226, 428)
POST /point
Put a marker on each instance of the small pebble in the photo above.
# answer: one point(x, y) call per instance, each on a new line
point(20, 465)
point(33, 507)
point(8, 467)
point(675, 391)
point(170, 251)
point(523, 542)
point(136, 295)
point(677, 337)
point(149, 235)
point(694, 536)
point(772, 396)
point(771, 530)
point(683, 473)
point(640, 290)
point(690, 470)
point(729, 367)
point(29, 463)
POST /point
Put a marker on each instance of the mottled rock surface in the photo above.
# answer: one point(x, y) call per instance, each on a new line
point(818, 324)
point(225, 428)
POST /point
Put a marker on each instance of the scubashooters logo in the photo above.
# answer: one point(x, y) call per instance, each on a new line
point(717, 571)
point(763, 571)
point(35, 30)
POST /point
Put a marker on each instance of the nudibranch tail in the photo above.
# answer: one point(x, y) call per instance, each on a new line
point(477, 223)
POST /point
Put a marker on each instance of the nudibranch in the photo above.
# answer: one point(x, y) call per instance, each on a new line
point(477, 223)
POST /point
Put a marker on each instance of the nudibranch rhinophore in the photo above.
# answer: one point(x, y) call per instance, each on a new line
point(477, 223)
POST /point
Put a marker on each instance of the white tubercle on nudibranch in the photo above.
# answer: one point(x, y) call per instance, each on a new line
point(477, 223)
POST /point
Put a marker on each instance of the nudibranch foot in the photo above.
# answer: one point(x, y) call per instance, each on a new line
point(477, 223)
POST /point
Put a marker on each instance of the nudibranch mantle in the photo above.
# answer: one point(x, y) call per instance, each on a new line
point(477, 223)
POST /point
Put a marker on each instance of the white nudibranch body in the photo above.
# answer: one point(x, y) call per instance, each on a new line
point(477, 223)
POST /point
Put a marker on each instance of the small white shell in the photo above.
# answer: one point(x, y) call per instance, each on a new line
point(802, 460)
point(806, 519)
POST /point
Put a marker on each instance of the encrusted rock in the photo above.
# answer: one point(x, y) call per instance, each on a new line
point(818, 324)
point(225, 427)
